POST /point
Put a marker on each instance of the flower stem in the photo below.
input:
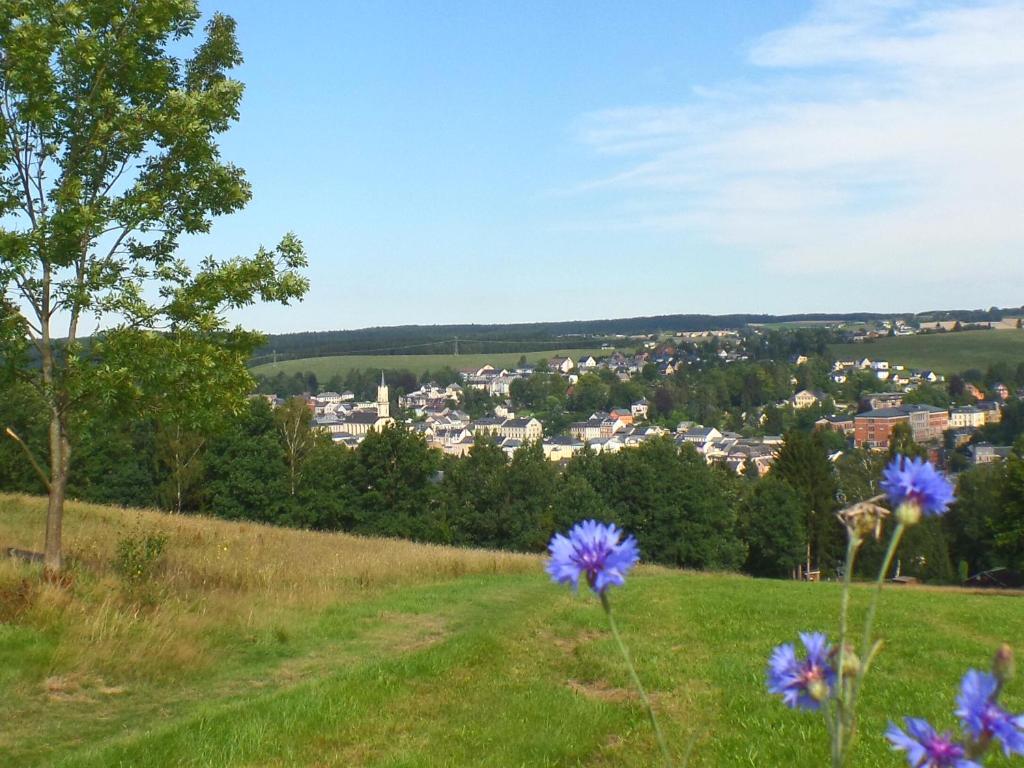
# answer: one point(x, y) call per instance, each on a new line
point(844, 708)
point(866, 646)
point(869, 622)
point(636, 680)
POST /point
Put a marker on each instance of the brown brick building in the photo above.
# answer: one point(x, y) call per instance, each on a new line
point(873, 429)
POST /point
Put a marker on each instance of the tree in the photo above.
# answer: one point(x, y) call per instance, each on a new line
point(108, 155)
point(929, 394)
point(184, 409)
point(970, 522)
point(527, 521)
point(901, 443)
point(772, 525)
point(680, 509)
point(475, 490)
point(924, 552)
point(246, 477)
point(393, 476)
point(322, 501)
point(589, 394)
point(294, 423)
point(477, 403)
point(803, 464)
point(23, 415)
point(1008, 517)
point(577, 500)
point(116, 464)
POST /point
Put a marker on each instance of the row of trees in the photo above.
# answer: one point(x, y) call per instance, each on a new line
point(269, 465)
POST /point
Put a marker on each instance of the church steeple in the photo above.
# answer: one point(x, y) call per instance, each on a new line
point(383, 401)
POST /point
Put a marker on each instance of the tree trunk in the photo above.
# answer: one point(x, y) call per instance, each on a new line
point(60, 451)
point(178, 471)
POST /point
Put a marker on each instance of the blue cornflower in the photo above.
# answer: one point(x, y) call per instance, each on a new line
point(916, 481)
point(802, 683)
point(983, 718)
point(592, 549)
point(926, 748)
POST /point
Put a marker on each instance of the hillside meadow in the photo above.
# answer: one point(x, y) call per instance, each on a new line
point(946, 353)
point(326, 367)
point(258, 646)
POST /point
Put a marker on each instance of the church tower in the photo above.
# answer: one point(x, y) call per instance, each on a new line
point(383, 401)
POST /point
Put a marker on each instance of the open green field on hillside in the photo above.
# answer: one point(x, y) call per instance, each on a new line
point(791, 324)
point(326, 367)
point(256, 646)
point(944, 352)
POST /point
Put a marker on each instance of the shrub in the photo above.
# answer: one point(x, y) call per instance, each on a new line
point(138, 556)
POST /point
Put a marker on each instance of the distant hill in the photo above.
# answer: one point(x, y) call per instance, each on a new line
point(338, 365)
point(517, 337)
point(533, 337)
point(943, 352)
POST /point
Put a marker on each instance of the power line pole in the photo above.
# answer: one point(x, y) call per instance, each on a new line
point(456, 346)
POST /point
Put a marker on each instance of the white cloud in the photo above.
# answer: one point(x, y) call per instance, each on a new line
point(871, 134)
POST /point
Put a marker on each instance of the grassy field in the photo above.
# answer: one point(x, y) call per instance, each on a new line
point(946, 352)
point(326, 367)
point(256, 646)
point(791, 324)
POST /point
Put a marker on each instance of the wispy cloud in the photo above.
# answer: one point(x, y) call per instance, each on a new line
point(869, 134)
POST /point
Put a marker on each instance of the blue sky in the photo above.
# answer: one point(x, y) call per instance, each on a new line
point(512, 162)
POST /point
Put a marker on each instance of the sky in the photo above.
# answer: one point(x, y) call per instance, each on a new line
point(492, 162)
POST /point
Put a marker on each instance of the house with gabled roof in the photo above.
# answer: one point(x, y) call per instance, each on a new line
point(841, 423)
point(986, 453)
point(487, 425)
point(625, 415)
point(640, 408)
point(806, 398)
point(560, 364)
point(966, 416)
point(522, 429)
point(586, 430)
point(700, 436)
point(561, 447)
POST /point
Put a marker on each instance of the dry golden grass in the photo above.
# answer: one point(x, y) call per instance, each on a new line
point(216, 577)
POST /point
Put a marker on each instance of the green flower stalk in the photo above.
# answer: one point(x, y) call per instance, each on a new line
point(594, 551)
point(831, 678)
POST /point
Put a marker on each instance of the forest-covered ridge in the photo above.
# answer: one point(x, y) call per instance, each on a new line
point(528, 337)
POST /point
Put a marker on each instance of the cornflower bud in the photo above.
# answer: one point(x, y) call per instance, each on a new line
point(851, 663)
point(1003, 665)
point(908, 513)
point(818, 690)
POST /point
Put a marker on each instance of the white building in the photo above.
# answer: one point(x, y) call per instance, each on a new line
point(966, 416)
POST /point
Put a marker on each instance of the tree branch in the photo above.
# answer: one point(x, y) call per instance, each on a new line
point(32, 459)
point(16, 152)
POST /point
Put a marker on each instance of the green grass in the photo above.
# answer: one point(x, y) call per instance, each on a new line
point(944, 352)
point(791, 324)
point(419, 667)
point(326, 367)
